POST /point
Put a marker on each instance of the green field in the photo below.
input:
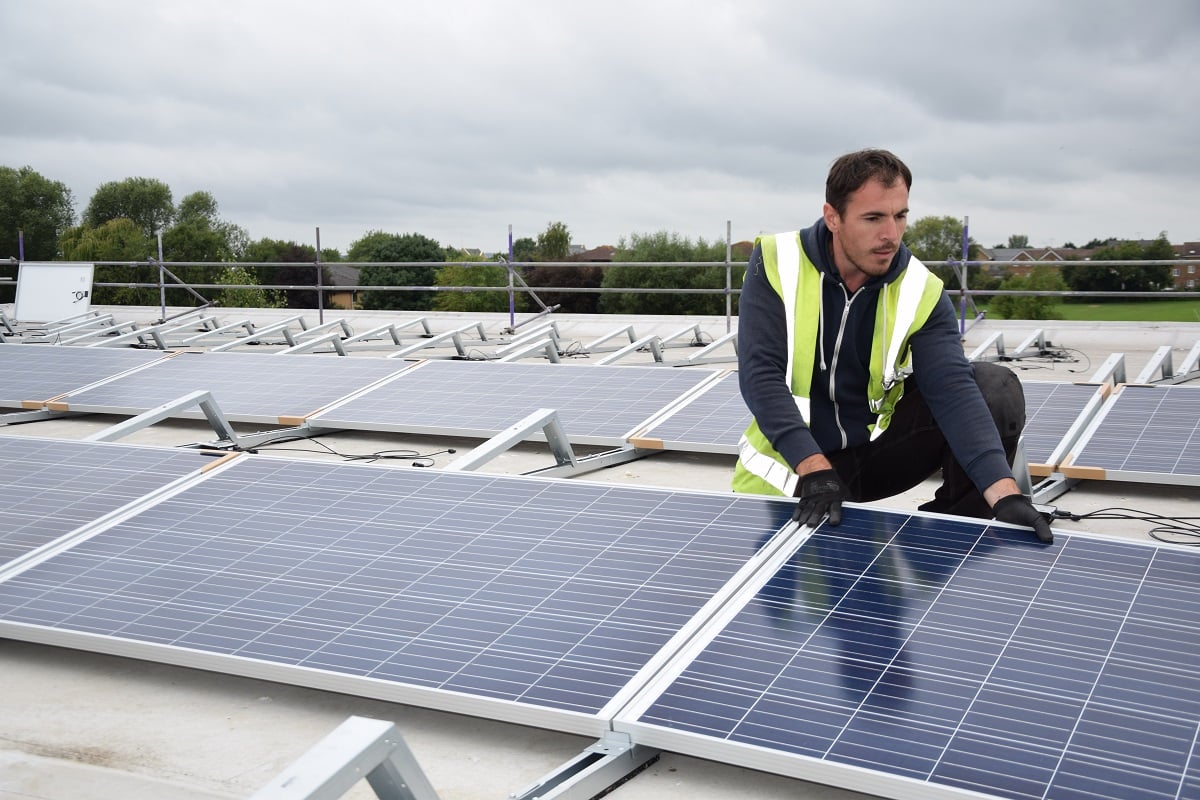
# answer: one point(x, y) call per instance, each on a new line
point(1134, 311)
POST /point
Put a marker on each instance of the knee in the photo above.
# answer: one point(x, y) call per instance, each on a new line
point(1005, 398)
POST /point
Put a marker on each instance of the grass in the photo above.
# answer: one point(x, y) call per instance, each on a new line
point(1132, 311)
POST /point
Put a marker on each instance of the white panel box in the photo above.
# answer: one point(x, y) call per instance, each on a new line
point(53, 290)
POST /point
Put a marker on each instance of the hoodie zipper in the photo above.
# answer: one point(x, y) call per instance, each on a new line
point(837, 349)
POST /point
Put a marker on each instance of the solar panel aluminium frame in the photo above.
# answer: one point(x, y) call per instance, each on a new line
point(1075, 465)
point(1067, 438)
point(454, 701)
point(329, 418)
point(116, 359)
point(651, 435)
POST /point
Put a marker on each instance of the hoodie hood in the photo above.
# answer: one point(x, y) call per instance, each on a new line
point(817, 241)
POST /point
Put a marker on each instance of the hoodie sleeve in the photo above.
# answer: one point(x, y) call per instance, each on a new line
point(762, 366)
point(947, 380)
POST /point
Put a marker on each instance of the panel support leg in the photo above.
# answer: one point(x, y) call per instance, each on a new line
point(212, 412)
point(358, 747)
point(544, 418)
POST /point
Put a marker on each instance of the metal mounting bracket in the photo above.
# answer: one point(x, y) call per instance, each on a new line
point(545, 419)
point(607, 763)
point(208, 404)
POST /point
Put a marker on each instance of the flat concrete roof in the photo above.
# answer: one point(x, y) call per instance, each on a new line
point(79, 724)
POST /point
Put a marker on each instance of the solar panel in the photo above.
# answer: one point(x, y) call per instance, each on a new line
point(249, 387)
point(1142, 434)
point(53, 487)
point(523, 599)
point(595, 405)
point(1055, 415)
point(712, 420)
point(32, 374)
point(918, 656)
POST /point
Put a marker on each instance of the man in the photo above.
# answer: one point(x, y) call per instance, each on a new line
point(851, 363)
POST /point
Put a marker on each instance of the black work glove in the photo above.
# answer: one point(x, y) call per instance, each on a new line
point(1018, 510)
point(821, 493)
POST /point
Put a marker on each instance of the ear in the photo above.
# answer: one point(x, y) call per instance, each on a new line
point(832, 220)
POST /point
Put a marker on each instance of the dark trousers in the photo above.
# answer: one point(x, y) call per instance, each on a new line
point(913, 448)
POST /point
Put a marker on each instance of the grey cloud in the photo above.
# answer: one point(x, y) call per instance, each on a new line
point(459, 118)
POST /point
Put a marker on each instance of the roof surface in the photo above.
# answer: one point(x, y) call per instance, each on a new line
point(86, 725)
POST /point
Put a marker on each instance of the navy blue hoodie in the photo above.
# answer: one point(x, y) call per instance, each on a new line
point(839, 408)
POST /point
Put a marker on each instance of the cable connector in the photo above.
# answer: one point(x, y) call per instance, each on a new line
point(1049, 513)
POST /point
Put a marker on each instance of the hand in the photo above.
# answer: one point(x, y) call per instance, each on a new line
point(1016, 509)
point(821, 493)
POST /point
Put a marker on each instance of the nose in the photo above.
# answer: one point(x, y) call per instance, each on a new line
point(890, 232)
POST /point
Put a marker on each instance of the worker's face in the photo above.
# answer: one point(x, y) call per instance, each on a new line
point(868, 235)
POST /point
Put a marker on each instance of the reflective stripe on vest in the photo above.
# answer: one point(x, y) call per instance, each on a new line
point(787, 261)
point(779, 475)
point(912, 290)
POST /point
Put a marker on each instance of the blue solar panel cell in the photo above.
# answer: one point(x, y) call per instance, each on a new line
point(54, 487)
point(247, 386)
point(522, 590)
point(37, 373)
point(956, 655)
point(710, 422)
point(1051, 409)
point(1144, 433)
point(595, 405)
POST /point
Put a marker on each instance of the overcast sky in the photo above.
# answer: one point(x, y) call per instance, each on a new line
point(1064, 121)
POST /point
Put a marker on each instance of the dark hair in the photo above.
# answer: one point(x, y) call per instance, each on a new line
point(851, 171)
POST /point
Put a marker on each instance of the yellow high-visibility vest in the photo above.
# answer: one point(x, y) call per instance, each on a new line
point(903, 309)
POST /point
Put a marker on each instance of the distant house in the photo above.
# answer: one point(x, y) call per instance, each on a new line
point(603, 253)
point(1186, 271)
point(340, 275)
point(1030, 257)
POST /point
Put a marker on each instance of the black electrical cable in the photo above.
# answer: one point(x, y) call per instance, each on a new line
point(418, 459)
point(1182, 530)
point(1057, 356)
point(575, 350)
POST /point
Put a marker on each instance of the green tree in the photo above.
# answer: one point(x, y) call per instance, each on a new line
point(243, 292)
point(466, 273)
point(525, 249)
point(1083, 276)
point(303, 273)
point(377, 246)
point(1042, 278)
point(940, 239)
point(119, 239)
point(36, 206)
point(199, 234)
point(1017, 241)
point(554, 243)
point(666, 247)
point(146, 201)
point(35, 210)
